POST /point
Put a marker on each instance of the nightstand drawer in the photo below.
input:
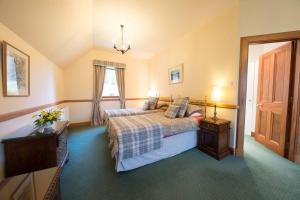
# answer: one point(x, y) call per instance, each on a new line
point(209, 126)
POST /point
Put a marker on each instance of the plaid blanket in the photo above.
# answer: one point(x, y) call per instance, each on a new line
point(134, 135)
point(125, 112)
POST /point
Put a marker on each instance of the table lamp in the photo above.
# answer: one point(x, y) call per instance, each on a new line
point(216, 97)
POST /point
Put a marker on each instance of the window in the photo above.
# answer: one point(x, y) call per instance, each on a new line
point(110, 87)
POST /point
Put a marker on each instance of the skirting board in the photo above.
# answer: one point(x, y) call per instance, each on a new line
point(79, 124)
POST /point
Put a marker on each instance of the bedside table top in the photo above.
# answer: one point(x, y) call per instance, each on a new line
point(218, 122)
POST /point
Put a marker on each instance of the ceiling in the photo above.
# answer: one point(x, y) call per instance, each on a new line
point(65, 29)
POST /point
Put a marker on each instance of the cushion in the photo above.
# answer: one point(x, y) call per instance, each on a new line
point(146, 105)
point(162, 105)
point(172, 111)
point(183, 104)
point(193, 110)
point(152, 102)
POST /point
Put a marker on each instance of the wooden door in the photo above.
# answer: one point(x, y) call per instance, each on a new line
point(273, 97)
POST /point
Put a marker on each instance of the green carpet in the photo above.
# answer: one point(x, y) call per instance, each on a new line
point(261, 174)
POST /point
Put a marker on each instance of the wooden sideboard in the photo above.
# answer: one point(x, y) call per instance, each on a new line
point(36, 151)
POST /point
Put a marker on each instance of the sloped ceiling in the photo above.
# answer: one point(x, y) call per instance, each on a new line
point(64, 29)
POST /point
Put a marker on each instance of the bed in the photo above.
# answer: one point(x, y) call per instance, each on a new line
point(126, 112)
point(160, 106)
point(139, 140)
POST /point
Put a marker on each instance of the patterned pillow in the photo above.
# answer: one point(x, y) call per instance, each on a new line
point(193, 110)
point(146, 105)
point(162, 104)
point(183, 104)
point(172, 111)
point(152, 102)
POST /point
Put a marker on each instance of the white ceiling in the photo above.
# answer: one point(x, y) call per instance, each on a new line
point(64, 29)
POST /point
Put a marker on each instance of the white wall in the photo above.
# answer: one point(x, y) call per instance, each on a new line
point(79, 82)
point(269, 16)
point(44, 76)
point(210, 57)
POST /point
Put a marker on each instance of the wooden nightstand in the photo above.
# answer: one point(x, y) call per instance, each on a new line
point(214, 137)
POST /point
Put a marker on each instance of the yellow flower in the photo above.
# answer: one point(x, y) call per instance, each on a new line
point(43, 112)
point(33, 116)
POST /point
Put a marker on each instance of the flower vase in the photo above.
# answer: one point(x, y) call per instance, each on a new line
point(46, 128)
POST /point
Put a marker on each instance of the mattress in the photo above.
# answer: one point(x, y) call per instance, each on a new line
point(172, 146)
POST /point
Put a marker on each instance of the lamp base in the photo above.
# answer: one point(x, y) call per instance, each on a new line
point(215, 118)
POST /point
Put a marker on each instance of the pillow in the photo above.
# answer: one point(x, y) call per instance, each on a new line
point(146, 105)
point(152, 102)
point(196, 115)
point(172, 111)
point(162, 105)
point(198, 119)
point(183, 104)
point(194, 110)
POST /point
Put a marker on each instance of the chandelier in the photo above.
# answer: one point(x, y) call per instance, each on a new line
point(121, 46)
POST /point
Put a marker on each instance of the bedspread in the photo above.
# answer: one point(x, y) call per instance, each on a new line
point(134, 135)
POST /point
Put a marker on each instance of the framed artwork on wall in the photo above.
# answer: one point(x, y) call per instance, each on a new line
point(176, 74)
point(15, 71)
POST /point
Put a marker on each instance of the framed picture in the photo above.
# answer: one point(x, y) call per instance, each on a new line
point(15, 71)
point(176, 74)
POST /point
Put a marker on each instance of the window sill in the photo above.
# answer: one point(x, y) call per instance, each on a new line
point(110, 98)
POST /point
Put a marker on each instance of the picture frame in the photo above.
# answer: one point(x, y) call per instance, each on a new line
point(175, 74)
point(15, 71)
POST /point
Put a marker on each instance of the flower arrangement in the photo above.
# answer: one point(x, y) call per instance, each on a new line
point(47, 117)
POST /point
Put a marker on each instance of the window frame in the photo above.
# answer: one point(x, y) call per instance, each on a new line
point(113, 97)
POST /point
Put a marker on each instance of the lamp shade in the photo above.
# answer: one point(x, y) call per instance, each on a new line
point(152, 93)
point(216, 94)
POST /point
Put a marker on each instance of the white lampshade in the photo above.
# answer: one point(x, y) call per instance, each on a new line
point(216, 94)
point(152, 93)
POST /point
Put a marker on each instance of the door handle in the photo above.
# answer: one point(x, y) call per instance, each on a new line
point(259, 104)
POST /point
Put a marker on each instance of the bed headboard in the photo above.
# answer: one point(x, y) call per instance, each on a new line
point(199, 102)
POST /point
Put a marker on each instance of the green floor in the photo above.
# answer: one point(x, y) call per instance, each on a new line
point(191, 175)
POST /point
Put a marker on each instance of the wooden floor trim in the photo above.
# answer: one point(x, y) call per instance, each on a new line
point(19, 113)
point(104, 99)
point(232, 150)
point(79, 124)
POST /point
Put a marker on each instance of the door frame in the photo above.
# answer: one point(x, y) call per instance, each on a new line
point(242, 87)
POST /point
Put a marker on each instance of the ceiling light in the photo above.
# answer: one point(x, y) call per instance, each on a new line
point(122, 46)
